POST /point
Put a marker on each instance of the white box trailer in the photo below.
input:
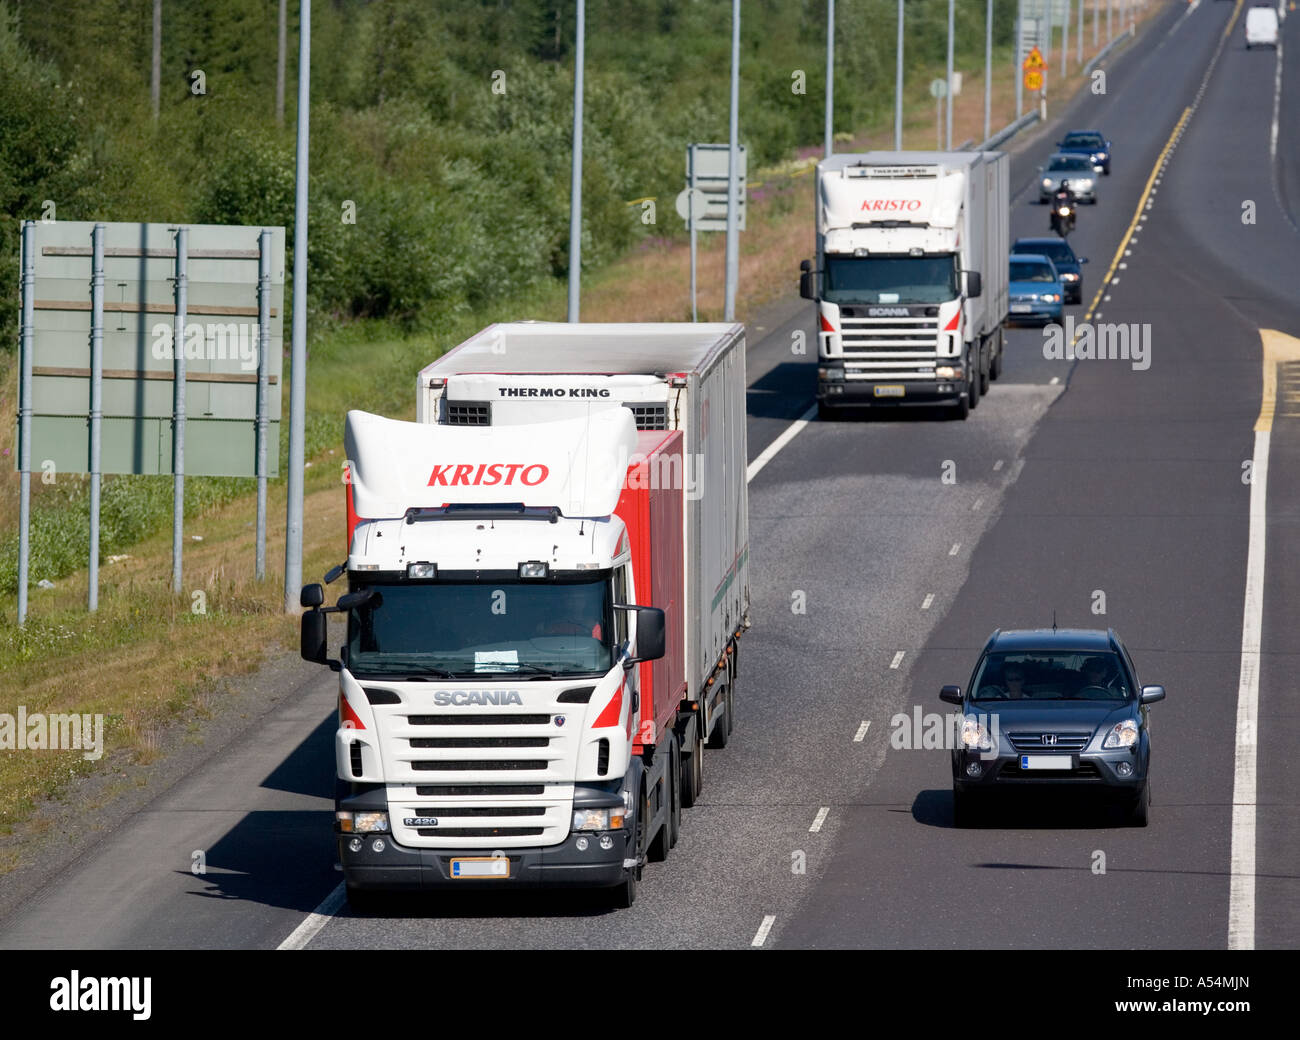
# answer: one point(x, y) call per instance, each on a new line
point(672, 376)
point(910, 277)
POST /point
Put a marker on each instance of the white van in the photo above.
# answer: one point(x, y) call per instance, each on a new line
point(1261, 26)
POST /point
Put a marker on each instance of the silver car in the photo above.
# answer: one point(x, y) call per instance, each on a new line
point(1074, 170)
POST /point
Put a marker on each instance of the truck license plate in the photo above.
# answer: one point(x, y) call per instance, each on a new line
point(890, 391)
point(1046, 761)
point(481, 867)
point(1020, 308)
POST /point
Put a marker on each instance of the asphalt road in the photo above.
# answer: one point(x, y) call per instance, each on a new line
point(1073, 478)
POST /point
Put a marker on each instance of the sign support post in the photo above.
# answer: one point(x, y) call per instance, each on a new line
point(96, 405)
point(263, 364)
point(178, 411)
point(25, 418)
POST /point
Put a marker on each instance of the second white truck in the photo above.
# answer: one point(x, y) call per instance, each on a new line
point(910, 277)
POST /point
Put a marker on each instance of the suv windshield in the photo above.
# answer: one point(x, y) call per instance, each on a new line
point(1051, 676)
point(1029, 271)
point(890, 279)
point(484, 628)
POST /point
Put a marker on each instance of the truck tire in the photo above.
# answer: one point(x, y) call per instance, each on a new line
point(365, 901)
point(824, 412)
point(962, 409)
point(693, 770)
point(721, 735)
point(625, 893)
point(995, 365)
point(974, 389)
point(986, 367)
point(675, 780)
point(665, 838)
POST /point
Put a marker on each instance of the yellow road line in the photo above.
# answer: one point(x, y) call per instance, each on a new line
point(1137, 215)
point(1278, 349)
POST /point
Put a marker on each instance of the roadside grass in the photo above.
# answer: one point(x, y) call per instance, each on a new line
point(148, 657)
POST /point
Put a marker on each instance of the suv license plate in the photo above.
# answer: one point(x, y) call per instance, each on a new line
point(1046, 761)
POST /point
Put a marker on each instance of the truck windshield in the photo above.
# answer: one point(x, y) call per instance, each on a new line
point(890, 279)
point(464, 629)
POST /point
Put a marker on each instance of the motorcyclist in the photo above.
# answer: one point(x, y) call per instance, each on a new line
point(1063, 198)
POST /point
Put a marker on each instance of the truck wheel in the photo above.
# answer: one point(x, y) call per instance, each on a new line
point(825, 413)
point(665, 838)
point(962, 409)
point(972, 366)
point(986, 373)
point(721, 735)
point(625, 893)
point(365, 900)
point(693, 771)
point(675, 782)
point(995, 365)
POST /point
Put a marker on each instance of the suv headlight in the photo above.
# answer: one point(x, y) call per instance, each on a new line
point(1122, 734)
point(975, 736)
point(610, 819)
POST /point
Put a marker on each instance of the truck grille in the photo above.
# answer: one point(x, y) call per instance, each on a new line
point(469, 413)
point(446, 765)
point(480, 790)
point(478, 720)
point(479, 832)
point(889, 348)
point(479, 742)
point(461, 811)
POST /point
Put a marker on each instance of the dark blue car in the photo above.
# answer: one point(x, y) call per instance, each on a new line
point(1057, 710)
point(1059, 251)
point(1090, 143)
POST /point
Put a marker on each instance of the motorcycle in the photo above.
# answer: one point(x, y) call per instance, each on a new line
point(1063, 211)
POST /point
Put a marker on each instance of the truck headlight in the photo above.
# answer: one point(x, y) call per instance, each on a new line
point(830, 375)
point(1122, 734)
point(609, 819)
point(948, 372)
point(362, 822)
point(974, 735)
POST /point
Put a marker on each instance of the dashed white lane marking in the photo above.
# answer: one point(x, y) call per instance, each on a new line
point(955, 547)
point(761, 936)
point(929, 599)
point(1054, 381)
point(862, 732)
point(822, 813)
point(997, 465)
point(770, 452)
point(315, 921)
point(976, 504)
point(898, 659)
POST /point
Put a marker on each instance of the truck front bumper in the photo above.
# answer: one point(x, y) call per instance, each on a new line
point(396, 866)
point(854, 393)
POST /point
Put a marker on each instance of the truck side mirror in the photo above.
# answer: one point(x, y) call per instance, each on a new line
point(974, 287)
point(311, 596)
point(312, 643)
point(650, 637)
point(807, 280)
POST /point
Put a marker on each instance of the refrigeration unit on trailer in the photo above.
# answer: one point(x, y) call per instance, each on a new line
point(910, 277)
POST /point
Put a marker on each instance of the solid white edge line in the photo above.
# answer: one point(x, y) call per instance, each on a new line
point(1241, 895)
point(770, 452)
point(763, 929)
point(822, 813)
point(1277, 102)
point(316, 920)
